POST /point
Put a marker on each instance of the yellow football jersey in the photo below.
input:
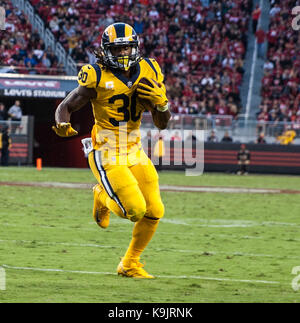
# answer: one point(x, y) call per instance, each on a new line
point(117, 109)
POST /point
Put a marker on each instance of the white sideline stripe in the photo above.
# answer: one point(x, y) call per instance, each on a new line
point(232, 253)
point(58, 270)
point(158, 276)
point(246, 223)
point(175, 188)
point(56, 184)
point(231, 223)
point(234, 224)
point(217, 189)
point(62, 243)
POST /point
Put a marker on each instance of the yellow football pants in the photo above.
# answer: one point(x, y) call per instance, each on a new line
point(131, 192)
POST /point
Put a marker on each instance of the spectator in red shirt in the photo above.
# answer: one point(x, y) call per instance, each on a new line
point(260, 40)
point(255, 17)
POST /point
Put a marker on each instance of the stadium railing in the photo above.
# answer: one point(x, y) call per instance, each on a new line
point(15, 69)
point(241, 129)
point(16, 127)
point(47, 35)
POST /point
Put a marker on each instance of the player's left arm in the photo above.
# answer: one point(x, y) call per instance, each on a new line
point(156, 93)
point(75, 100)
point(161, 119)
point(161, 114)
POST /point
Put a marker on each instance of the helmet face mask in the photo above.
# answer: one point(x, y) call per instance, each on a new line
point(123, 62)
point(115, 36)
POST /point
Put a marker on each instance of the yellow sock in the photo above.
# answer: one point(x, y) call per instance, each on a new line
point(142, 234)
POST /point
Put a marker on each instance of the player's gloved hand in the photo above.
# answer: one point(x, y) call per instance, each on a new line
point(64, 129)
point(155, 93)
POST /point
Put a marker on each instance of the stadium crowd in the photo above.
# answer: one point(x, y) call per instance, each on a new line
point(21, 48)
point(280, 85)
point(200, 45)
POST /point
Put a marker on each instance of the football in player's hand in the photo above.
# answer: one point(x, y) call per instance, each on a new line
point(147, 104)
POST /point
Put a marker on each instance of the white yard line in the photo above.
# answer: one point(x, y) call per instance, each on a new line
point(216, 223)
point(218, 189)
point(158, 276)
point(221, 223)
point(201, 252)
point(171, 188)
point(93, 245)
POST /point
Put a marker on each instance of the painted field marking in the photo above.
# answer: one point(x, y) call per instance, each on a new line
point(158, 276)
point(216, 189)
point(201, 252)
point(168, 188)
point(211, 223)
point(230, 224)
point(68, 244)
point(2, 278)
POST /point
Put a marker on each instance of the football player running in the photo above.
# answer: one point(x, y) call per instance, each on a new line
point(127, 180)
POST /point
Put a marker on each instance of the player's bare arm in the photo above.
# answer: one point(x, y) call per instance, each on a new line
point(73, 102)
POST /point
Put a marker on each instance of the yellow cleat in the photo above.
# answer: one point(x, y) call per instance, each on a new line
point(100, 212)
point(135, 270)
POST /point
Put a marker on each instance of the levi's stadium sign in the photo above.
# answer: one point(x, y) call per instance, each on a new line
point(33, 93)
point(12, 85)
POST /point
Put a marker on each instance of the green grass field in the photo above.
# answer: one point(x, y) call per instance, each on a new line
point(209, 247)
